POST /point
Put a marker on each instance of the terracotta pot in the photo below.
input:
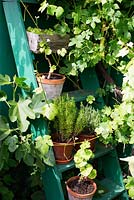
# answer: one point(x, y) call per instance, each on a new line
point(76, 196)
point(90, 138)
point(63, 152)
point(52, 87)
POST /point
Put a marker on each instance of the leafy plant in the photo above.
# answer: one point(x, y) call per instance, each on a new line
point(15, 136)
point(101, 34)
point(48, 37)
point(81, 160)
point(117, 123)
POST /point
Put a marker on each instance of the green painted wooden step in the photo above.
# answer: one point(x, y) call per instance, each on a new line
point(107, 190)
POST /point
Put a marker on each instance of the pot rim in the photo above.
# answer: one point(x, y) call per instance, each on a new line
point(60, 80)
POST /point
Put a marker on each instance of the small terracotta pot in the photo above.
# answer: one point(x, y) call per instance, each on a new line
point(63, 152)
point(53, 86)
point(76, 196)
point(90, 138)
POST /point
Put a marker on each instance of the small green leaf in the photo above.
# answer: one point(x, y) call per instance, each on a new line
point(43, 6)
point(59, 12)
point(20, 82)
point(49, 111)
point(28, 159)
point(51, 9)
point(5, 80)
point(3, 96)
point(90, 99)
point(4, 128)
point(12, 142)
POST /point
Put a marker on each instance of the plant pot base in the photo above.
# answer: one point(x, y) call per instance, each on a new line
point(63, 161)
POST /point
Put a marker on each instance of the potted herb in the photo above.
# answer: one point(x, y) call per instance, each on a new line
point(16, 137)
point(91, 116)
point(82, 186)
point(67, 124)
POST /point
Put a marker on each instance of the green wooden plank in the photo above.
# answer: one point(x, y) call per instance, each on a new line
point(19, 43)
point(52, 185)
point(107, 190)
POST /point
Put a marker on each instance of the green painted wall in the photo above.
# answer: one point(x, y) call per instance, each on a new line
point(7, 64)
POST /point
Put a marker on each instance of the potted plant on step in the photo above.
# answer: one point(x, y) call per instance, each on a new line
point(82, 186)
point(65, 127)
point(53, 45)
point(91, 117)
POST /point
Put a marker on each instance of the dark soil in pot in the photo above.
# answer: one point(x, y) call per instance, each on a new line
point(81, 187)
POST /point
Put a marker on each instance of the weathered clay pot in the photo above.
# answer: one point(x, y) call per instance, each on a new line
point(53, 86)
point(76, 196)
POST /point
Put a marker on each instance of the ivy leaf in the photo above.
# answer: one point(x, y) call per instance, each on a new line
point(19, 112)
point(51, 10)
point(20, 82)
point(62, 52)
point(12, 141)
point(4, 80)
point(43, 6)
point(90, 99)
point(19, 153)
point(28, 159)
point(4, 128)
point(37, 102)
point(49, 111)
point(3, 96)
point(59, 12)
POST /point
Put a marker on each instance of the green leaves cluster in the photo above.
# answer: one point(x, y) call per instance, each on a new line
point(117, 123)
point(100, 33)
point(51, 9)
point(81, 159)
point(129, 180)
point(14, 128)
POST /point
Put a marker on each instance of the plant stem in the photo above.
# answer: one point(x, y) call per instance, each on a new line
point(29, 14)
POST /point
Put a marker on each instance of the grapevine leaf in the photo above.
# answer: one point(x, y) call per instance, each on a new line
point(19, 112)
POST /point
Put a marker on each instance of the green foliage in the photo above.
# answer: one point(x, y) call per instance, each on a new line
point(81, 159)
point(129, 184)
point(15, 136)
point(66, 116)
point(100, 31)
point(129, 180)
point(117, 123)
point(71, 120)
point(88, 119)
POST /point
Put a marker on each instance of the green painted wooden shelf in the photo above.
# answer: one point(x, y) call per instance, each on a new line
point(107, 190)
